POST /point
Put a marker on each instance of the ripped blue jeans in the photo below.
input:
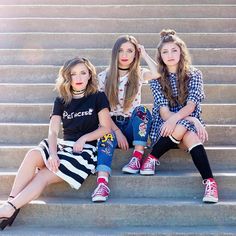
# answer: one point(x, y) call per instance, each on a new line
point(136, 130)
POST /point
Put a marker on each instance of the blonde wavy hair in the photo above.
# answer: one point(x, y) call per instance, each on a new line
point(112, 78)
point(167, 36)
point(63, 82)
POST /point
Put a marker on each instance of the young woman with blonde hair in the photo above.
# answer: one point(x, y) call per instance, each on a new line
point(84, 113)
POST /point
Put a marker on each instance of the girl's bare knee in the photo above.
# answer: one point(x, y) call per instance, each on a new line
point(47, 177)
point(34, 157)
point(179, 132)
point(190, 139)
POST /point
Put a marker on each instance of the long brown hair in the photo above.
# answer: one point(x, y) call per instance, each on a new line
point(112, 78)
point(63, 82)
point(182, 71)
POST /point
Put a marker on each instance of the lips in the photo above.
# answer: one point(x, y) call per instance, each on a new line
point(124, 59)
point(79, 83)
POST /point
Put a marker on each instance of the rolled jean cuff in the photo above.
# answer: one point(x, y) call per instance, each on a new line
point(141, 143)
point(103, 168)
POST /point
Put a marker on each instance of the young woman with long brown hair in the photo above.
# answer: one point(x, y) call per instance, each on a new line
point(177, 111)
point(131, 122)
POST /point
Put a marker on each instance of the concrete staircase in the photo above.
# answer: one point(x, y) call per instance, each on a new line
point(37, 36)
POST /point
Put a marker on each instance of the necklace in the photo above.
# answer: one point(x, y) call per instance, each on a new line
point(123, 68)
point(78, 92)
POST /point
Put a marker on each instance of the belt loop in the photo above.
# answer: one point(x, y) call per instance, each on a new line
point(121, 119)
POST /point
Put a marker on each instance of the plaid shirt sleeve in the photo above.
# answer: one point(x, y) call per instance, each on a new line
point(196, 92)
point(159, 98)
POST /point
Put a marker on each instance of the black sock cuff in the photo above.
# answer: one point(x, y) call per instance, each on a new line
point(197, 145)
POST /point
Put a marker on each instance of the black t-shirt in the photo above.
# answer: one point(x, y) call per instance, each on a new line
point(80, 116)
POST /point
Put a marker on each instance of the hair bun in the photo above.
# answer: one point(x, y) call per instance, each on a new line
point(166, 32)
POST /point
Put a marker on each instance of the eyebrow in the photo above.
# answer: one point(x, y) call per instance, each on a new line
point(165, 49)
point(131, 48)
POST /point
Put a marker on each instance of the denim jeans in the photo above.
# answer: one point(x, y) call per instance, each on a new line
point(136, 130)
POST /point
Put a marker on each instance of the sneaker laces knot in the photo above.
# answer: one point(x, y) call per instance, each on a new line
point(150, 162)
point(211, 186)
point(134, 162)
point(100, 189)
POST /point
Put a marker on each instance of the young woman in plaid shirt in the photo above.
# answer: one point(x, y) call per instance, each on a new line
point(176, 113)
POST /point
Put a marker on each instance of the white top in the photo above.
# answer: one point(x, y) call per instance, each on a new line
point(118, 110)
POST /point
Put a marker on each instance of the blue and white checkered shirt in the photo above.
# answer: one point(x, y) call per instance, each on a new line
point(196, 94)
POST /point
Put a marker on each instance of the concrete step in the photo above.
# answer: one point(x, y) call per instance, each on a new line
point(119, 11)
point(127, 212)
point(173, 184)
point(22, 230)
point(106, 40)
point(218, 74)
point(119, 25)
point(39, 93)
point(12, 156)
point(200, 56)
point(39, 113)
point(113, 2)
point(32, 133)
point(43, 93)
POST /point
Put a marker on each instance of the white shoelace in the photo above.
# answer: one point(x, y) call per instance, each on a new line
point(134, 162)
point(100, 188)
point(210, 187)
point(151, 162)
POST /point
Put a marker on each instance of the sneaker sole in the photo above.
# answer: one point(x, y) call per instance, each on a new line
point(99, 199)
point(147, 172)
point(210, 200)
point(129, 171)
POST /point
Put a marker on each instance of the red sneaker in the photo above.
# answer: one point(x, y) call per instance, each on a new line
point(211, 192)
point(101, 193)
point(148, 166)
point(133, 166)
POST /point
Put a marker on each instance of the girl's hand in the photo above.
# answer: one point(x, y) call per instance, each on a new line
point(168, 127)
point(201, 131)
point(79, 144)
point(53, 163)
point(121, 140)
point(142, 50)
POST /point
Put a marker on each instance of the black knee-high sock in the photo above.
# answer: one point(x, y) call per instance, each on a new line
point(163, 145)
point(200, 160)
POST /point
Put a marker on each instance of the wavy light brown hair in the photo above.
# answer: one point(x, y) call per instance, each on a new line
point(63, 82)
point(168, 36)
point(112, 78)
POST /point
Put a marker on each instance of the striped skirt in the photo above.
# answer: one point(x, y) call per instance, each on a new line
point(74, 167)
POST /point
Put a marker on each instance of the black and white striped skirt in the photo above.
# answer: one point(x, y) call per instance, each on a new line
point(74, 167)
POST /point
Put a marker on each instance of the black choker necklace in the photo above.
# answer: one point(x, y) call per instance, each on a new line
point(80, 92)
point(123, 68)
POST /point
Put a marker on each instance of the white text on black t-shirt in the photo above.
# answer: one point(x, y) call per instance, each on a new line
point(73, 115)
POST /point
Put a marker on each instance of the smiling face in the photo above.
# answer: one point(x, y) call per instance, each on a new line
point(79, 77)
point(126, 55)
point(170, 54)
